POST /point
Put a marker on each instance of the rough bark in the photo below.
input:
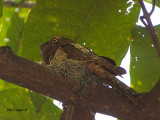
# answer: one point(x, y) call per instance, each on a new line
point(36, 77)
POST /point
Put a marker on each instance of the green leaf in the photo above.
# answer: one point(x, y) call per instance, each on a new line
point(38, 100)
point(15, 104)
point(1, 8)
point(12, 28)
point(49, 112)
point(6, 85)
point(102, 24)
point(145, 64)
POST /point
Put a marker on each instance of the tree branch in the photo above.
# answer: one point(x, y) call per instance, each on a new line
point(26, 4)
point(154, 93)
point(100, 99)
point(149, 24)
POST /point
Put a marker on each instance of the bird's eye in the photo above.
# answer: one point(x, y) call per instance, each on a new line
point(54, 40)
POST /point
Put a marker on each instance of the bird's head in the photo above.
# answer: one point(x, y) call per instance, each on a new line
point(49, 48)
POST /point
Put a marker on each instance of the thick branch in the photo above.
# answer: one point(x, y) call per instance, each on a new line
point(26, 4)
point(36, 77)
point(154, 93)
point(149, 25)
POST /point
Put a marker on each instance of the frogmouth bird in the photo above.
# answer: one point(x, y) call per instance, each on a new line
point(59, 48)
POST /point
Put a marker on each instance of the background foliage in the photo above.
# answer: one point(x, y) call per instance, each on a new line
point(91, 22)
point(145, 65)
point(106, 27)
point(1, 8)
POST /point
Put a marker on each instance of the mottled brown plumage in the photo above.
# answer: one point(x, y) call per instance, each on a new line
point(62, 48)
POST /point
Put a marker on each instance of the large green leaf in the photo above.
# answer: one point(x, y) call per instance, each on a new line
point(1, 7)
point(38, 100)
point(15, 104)
point(145, 64)
point(103, 25)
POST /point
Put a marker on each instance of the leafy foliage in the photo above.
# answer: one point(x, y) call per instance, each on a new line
point(1, 8)
point(12, 28)
point(102, 25)
point(15, 104)
point(38, 100)
point(145, 64)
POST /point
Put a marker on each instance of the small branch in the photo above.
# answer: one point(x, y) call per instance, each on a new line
point(26, 4)
point(149, 24)
point(153, 7)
